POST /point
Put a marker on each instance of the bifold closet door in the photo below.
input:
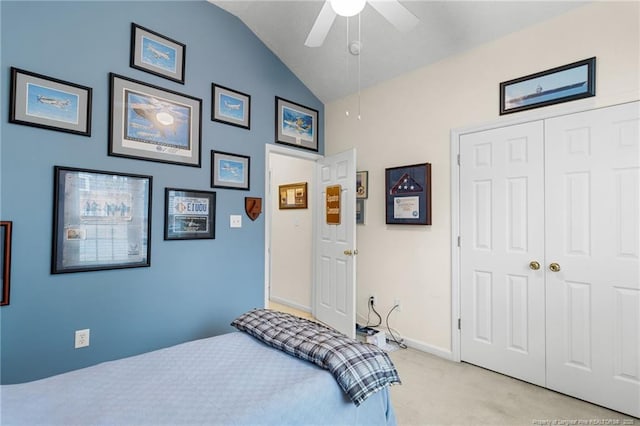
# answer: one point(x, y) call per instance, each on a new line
point(592, 256)
point(501, 261)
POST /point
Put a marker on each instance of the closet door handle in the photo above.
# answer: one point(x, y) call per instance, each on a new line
point(535, 265)
point(554, 267)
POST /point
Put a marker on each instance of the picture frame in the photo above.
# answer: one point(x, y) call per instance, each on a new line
point(292, 196)
point(230, 171)
point(157, 54)
point(296, 125)
point(556, 85)
point(189, 214)
point(150, 123)
point(362, 185)
point(49, 103)
point(5, 259)
point(360, 211)
point(231, 107)
point(408, 195)
point(101, 220)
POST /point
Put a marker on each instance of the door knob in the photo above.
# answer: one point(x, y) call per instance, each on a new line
point(348, 252)
point(554, 267)
point(534, 265)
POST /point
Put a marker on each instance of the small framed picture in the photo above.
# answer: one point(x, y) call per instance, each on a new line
point(101, 220)
point(362, 184)
point(293, 196)
point(230, 106)
point(5, 261)
point(157, 54)
point(561, 84)
point(230, 171)
point(189, 214)
point(408, 195)
point(296, 125)
point(151, 123)
point(49, 103)
point(359, 211)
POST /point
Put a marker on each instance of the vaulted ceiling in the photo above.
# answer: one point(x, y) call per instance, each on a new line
point(331, 72)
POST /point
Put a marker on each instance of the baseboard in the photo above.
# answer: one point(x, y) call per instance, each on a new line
point(430, 349)
point(291, 304)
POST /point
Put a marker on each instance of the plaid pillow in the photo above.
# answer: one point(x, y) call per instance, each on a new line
point(359, 368)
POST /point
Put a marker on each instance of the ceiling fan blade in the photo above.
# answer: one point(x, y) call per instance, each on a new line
point(321, 27)
point(397, 14)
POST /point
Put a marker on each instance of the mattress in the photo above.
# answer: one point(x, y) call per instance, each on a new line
point(232, 379)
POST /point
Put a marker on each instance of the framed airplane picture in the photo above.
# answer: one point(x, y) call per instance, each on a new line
point(157, 54)
point(49, 103)
point(230, 106)
point(296, 125)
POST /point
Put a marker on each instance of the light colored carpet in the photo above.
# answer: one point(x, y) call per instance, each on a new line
point(435, 391)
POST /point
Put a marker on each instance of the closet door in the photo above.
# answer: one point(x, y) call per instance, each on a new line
point(592, 256)
point(502, 231)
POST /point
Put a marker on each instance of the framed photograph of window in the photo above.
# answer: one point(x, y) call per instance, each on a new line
point(189, 214)
point(5, 261)
point(296, 125)
point(157, 54)
point(101, 220)
point(408, 195)
point(561, 84)
point(49, 103)
point(293, 196)
point(230, 171)
point(230, 106)
point(151, 123)
point(362, 184)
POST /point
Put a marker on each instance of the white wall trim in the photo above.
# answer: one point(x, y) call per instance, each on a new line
point(430, 349)
point(535, 115)
point(291, 304)
point(266, 207)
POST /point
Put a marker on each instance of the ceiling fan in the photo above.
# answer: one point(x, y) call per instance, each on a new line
point(392, 10)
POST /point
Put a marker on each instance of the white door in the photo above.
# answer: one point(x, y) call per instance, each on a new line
point(501, 228)
point(593, 235)
point(335, 285)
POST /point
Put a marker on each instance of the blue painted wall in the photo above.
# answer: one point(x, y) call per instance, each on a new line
point(193, 289)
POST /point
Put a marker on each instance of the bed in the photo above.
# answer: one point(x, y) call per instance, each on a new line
point(232, 379)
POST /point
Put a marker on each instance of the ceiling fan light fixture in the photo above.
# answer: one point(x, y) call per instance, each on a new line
point(347, 8)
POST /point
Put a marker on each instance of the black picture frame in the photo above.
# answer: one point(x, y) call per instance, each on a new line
point(362, 185)
point(101, 220)
point(230, 106)
point(296, 125)
point(151, 123)
point(553, 86)
point(230, 171)
point(49, 103)
point(5, 258)
point(189, 214)
point(408, 195)
point(157, 54)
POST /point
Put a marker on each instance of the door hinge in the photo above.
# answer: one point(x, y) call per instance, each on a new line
point(459, 324)
point(458, 240)
point(458, 159)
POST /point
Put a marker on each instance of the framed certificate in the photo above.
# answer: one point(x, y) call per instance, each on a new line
point(408, 195)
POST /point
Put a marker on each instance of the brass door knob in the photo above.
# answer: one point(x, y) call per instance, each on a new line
point(348, 252)
point(534, 265)
point(554, 267)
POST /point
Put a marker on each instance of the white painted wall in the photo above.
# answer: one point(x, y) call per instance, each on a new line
point(408, 120)
point(291, 235)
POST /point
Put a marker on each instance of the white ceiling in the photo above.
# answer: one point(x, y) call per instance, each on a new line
point(446, 28)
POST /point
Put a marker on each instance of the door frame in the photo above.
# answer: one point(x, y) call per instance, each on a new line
point(268, 199)
point(455, 135)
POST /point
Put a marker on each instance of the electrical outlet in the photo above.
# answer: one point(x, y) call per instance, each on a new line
point(82, 338)
point(372, 300)
point(396, 302)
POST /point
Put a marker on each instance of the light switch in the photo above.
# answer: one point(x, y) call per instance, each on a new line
point(235, 221)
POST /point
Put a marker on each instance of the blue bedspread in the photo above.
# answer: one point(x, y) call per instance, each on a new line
point(231, 379)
